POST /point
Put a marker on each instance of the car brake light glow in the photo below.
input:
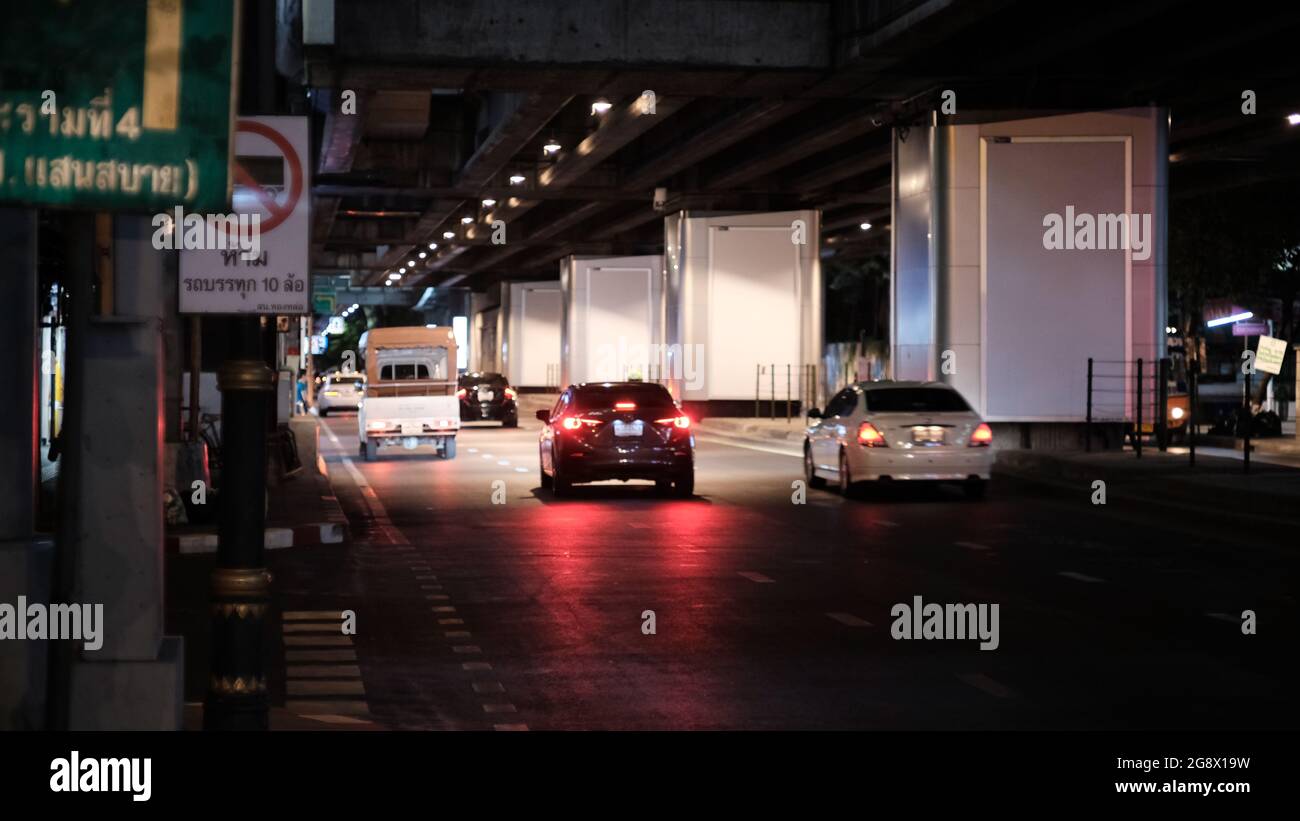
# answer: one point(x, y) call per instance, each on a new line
point(868, 436)
point(624, 406)
point(982, 437)
point(462, 393)
point(510, 393)
point(675, 421)
point(576, 422)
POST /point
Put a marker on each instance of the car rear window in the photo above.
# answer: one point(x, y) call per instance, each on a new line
point(915, 400)
point(603, 397)
point(496, 380)
point(347, 380)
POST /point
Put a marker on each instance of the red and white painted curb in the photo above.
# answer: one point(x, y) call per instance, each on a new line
point(276, 537)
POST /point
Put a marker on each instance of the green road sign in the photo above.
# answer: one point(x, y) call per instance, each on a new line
point(117, 104)
point(323, 304)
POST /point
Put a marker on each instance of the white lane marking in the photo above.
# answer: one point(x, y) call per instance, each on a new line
point(746, 446)
point(322, 671)
point(444, 609)
point(487, 456)
point(972, 545)
point(887, 523)
point(756, 577)
point(427, 578)
point(468, 649)
point(849, 619)
point(449, 622)
point(521, 470)
point(438, 597)
point(312, 687)
point(488, 687)
point(499, 708)
point(982, 682)
point(430, 586)
point(458, 634)
point(311, 615)
point(368, 495)
point(1079, 577)
point(503, 462)
point(473, 450)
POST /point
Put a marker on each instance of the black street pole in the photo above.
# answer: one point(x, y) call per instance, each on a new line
point(1194, 389)
point(237, 698)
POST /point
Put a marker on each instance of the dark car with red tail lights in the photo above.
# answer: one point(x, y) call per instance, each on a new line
point(617, 430)
point(487, 397)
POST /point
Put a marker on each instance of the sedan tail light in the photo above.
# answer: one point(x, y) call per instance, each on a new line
point(676, 421)
point(982, 437)
point(510, 393)
point(869, 437)
point(462, 393)
point(576, 422)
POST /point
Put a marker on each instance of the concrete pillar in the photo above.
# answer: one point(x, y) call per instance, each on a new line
point(135, 680)
point(25, 559)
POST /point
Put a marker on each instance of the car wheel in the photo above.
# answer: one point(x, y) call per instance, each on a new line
point(809, 470)
point(449, 448)
point(847, 487)
point(684, 487)
point(372, 450)
point(545, 480)
point(324, 411)
point(975, 489)
point(512, 422)
point(561, 484)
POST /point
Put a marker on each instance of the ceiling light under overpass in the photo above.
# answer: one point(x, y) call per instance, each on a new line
point(517, 179)
point(433, 245)
point(551, 147)
point(866, 226)
point(1228, 320)
point(1293, 119)
point(601, 106)
point(448, 234)
point(423, 255)
point(466, 220)
point(489, 202)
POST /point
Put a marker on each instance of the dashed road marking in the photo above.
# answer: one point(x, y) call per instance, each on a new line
point(972, 545)
point(1228, 617)
point(312, 687)
point(475, 666)
point(756, 577)
point(451, 621)
point(509, 728)
point(331, 719)
point(521, 470)
point(488, 687)
point(447, 608)
point(312, 615)
point(983, 683)
point(438, 597)
point(1079, 577)
point(849, 619)
point(503, 462)
point(458, 634)
point(466, 649)
point(300, 656)
point(499, 708)
point(887, 523)
point(322, 671)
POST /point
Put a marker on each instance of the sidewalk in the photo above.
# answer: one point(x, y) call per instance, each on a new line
point(301, 511)
point(1216, 487)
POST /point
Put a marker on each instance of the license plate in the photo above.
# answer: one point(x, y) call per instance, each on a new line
point(412, 428)
point(928, 435)
point(633, 428)
point(485, 395)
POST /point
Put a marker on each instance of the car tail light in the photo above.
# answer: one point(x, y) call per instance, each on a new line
point(675, 421)
point(510, 393)
point(462, 393)
point(624, 406)
point(576, 422)
point(869, 437)
point(982, 437)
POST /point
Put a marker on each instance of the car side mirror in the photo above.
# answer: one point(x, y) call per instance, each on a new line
point(813, 413)
point(543, 415)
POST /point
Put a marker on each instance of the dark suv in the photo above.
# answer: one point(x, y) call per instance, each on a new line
point(617, 430)
point(487, 396)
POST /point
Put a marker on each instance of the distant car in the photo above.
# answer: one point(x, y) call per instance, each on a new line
point(898, 431)
point(487, 397)
point(340, 392)
point(617, 430)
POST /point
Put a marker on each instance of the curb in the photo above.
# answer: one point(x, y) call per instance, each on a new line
point(276, 538)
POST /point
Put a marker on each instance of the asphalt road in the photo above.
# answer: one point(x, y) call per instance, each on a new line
point(484, 602)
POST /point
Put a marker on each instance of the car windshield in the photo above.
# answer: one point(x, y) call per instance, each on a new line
point(604, 397)
point(915, 400)
point(347, 380)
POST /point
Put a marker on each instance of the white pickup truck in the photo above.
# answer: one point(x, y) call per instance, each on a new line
point(410, 396)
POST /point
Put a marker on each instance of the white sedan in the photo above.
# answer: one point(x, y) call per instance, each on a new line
point(898, 431)
point(340, 392)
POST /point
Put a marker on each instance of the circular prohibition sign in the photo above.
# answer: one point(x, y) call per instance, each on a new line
point(279, 213)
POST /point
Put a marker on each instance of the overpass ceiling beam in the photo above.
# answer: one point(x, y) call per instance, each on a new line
point(805, 145)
